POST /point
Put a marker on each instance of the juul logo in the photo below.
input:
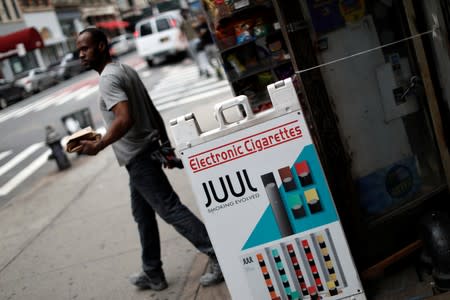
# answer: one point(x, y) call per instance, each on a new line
point(227, 187)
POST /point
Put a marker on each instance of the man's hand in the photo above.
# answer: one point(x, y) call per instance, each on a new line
point(91, 147)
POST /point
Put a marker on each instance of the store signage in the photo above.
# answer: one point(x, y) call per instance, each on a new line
point(266, 204)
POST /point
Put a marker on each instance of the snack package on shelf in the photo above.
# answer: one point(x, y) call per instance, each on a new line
point(225, 36)
point(277, 48)
point(260, 28)
point(264, 79)
point(223, 10)
point(247, 55)
point(242, 31)
point(237, 66)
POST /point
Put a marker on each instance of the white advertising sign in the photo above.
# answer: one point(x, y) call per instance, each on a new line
point(266, 205)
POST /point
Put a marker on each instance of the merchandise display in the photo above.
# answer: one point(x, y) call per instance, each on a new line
point(266, 204)
point(251, 46)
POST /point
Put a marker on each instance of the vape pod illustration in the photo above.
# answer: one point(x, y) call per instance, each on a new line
point(297, 270)
point(302, 267)
point(287, 179)
point(267, 279)
point(313, 293)
point(333, 268)
point(312, 265)
point(313, 200)
point(332, 288)
point(304, 173)
point(284, 279)
point(296, 206)
point(277, 205)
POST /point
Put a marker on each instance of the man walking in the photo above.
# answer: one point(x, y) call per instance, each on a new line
point(135, 131)
point(188, 28)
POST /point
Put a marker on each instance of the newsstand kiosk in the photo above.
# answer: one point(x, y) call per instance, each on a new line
point(266, 204)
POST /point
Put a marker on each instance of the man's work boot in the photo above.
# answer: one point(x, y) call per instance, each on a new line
point(144, 282)
point(213, 274)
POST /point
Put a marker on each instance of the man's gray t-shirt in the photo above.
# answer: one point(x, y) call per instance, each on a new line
point(119, 82)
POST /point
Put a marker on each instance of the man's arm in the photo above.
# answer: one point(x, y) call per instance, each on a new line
point(119, 127)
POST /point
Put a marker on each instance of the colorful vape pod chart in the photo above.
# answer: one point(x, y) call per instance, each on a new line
point(301, 204)
point(302, 267)
point(264, 199)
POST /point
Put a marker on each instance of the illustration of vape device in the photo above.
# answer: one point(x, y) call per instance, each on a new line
point(304, 173)
point(268, 276)
point(277, 205)
point(284, 275)
point(330, 262)
point(287, 179)
point(296, 205)
point(313, 200)
point(259, 277)
point(314, 269)
point(296, 265)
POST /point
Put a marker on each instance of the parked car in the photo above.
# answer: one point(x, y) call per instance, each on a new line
point(122, 44)
point(70, 66)
point(37, 79)
point(160, 36)
point(10, 93)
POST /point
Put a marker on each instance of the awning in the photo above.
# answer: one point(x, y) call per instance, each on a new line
point(29, 37)
point(114, 24)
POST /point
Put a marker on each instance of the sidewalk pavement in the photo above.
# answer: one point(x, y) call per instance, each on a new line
point(72, 236)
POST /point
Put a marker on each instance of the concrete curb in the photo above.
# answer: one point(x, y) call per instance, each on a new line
point(194, 291)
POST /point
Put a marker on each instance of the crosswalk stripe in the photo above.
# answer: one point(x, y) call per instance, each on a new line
point(64, 99)
point(16, 113)
point(194, 98)
point(51, 100)
point(146, 74)
point(70, 96)
point(140, 66)
point(190, 92)
point(182, 84)
point(35, 106)
point(185, 82)
point(175, 75)
point(5, 154)
point(25, 173)
point(30, 107)
point(180, 88)
point(20, 157)
point(5, 117)
point(86, 93)
point(54, 99)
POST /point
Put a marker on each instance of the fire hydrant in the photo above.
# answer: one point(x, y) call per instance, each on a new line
point(53, 140)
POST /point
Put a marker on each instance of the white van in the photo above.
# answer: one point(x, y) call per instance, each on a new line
point(160, 37)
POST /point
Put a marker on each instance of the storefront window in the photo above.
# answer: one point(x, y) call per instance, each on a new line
point(68, 28)
point(21, 64)
point(51, 53)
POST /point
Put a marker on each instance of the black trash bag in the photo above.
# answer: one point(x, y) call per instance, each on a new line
point(165, 154)
point(435, 233)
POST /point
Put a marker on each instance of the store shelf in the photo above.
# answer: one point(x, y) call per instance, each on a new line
point(233, 77)
point(240, 12)
point(254, 40)
point(252, 64)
